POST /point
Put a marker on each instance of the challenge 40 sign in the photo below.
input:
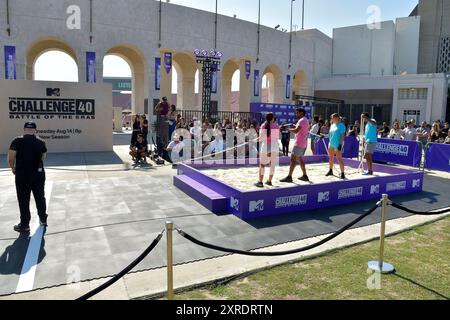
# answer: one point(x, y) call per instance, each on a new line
point(71, 117)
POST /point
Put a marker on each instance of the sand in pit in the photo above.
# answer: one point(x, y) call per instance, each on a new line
point(244, 178)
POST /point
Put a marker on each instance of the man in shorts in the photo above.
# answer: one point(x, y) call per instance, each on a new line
point(370, 139)
point(301, 132)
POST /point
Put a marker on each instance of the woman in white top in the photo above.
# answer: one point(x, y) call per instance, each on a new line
point(396, 132)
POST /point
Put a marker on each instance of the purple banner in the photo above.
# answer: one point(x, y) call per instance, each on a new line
point(284, 113)
point(214, 78)
point(408, 153)
point(256, 83)
point(438, 157)
point(158, 73)
point(10, 63)
point(288, 86)
point(351, 147)
point(248, 69)
point(90, 68)
point(168, 61)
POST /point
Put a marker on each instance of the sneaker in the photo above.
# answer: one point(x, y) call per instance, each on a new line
point(368, 173)
point(287, 180)
point(43, 222)
point(259, 185)
point(343, 176)
point(21, 229)
point(329, 174)
point(269, 183)
point(304, 178)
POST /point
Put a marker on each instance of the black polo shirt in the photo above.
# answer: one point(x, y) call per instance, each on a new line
point(29, 150)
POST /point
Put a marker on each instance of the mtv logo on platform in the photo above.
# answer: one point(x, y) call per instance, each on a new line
point(256, 206)
point(234, 203)
point(416, 183)
point(375, 189)
point(323, 197)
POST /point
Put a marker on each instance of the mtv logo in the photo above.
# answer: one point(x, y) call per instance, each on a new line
point(53, 92)
point(256, 206)
point(416, 183)
point(323, 197)
point(375, 189)
point(234, 203)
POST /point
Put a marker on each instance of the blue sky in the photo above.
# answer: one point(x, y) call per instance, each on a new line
point(320, 14)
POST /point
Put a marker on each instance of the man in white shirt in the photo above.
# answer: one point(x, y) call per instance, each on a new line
point(409, 133)
point(175, 150)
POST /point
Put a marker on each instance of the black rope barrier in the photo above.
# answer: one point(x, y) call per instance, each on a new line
point(282, 253)
point(118, 276)
point(422, 213)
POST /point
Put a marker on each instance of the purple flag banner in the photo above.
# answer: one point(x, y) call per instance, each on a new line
point(168, 61)
point(351, 147)
point(248, 69)
point(214, 79)
point(90, 68)
point(256, 83)
point(408, 153)
point(288, 86)
point(438, 157)
point(158, 73)
point(10, 63)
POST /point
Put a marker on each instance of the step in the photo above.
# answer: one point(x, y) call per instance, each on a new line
point(210, 199)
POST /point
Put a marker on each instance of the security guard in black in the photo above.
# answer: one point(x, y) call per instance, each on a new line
point(26, 155)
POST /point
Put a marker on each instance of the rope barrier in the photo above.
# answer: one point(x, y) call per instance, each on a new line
point(124, 271)
point(281, 253)
point(423, 213)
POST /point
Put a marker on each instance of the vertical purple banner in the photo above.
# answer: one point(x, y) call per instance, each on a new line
point(214, 80)
point(90, 68)
point(248, 69)
point(288, 86)
point(158, 73)
point(10, 63)
point(256, 83)
point(168, 61)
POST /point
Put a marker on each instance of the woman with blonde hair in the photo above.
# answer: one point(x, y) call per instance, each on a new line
point(396, 132)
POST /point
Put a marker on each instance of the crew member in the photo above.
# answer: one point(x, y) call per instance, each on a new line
point(26, 159)
point(162, 125)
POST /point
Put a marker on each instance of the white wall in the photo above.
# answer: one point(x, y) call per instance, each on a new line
point(407, 45)
point(358, 50)
point(76, 134)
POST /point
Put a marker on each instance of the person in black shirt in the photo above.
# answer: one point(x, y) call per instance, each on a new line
point(139, 150)
point(26, 159)
point(285, 139)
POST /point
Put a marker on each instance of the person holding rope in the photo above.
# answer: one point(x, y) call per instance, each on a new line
point(268, 137)
point(337, 137)
point(370, 141)
point(301, 132)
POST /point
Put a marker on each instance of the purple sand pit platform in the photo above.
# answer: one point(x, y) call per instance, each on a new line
point(221, 198)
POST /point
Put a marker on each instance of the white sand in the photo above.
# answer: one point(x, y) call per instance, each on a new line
point(244, 178)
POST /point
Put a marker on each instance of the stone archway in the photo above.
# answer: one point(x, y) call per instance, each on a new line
point(136, 60)
point(276, 85)
point(300, 84)
point(186, 67)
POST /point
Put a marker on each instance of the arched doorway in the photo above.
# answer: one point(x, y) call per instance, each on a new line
point(274, 84)
point(55, 65)
point(136, 60)
point(300, 84)
point(184, 80)
point(49, 45)
point(230, 99)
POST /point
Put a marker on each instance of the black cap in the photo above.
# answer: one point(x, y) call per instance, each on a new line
point(300, 109)
point(164, 98)
point(30, 125)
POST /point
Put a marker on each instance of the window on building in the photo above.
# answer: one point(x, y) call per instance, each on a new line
point(444, 56)
point(413, 94)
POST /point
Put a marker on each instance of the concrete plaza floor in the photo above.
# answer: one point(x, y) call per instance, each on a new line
point(103, 213)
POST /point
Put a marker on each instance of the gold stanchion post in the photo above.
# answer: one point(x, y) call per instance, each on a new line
point(169, 237)
point(380, 265)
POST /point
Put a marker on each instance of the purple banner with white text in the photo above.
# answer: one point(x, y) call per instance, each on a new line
point(438, 157)
point(408, 153)
point(248, 69)
point(90, 68)
point(158, 73)
point(10, 63)
point(284, 113)
point(256, 83)
point(288, 86)
point(168, 62)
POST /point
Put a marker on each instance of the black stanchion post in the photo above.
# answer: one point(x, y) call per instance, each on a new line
point(169, 237)
point(380, 265)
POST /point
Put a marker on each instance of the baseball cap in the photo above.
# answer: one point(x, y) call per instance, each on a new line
point(30, 125)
